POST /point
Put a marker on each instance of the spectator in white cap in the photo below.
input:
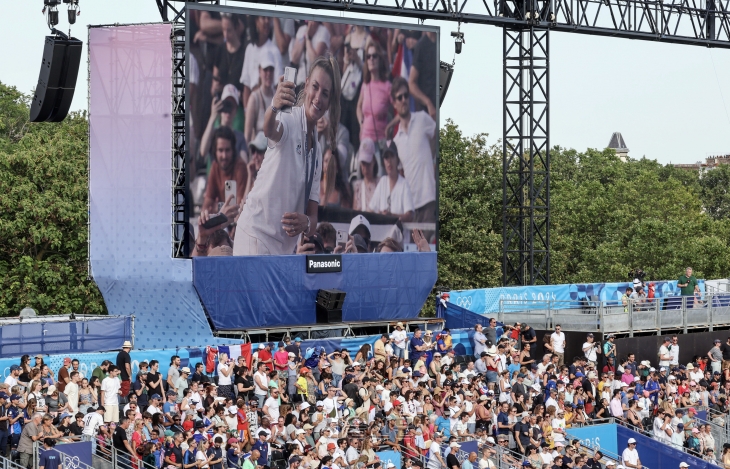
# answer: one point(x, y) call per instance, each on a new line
point(261, 97)
point(363, 189)
point(630, 457)
point(683, 464)
point(360, 225)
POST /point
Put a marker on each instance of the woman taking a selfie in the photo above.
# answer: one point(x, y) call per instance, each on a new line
point(283, 204)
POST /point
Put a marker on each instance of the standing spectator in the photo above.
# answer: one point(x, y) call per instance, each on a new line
point(609, 348)
point(351, 82)
point(228, 61)
point(32, 432)
point(261, 97)
point(173, 373)
point(529, 337)
point(398, 337)
point(225, 375)
point(416, 346)
point(725, 353)
point(72, 391)
point(373, 104)
point(422, 81)
point(674, 351)
point(435, 461)
point(687, 283)
point(109, 397)
point(124, 364)
point(63, 375)
point(630, 456)
point(480, 341)
point(591, 349)
point(416, 141)
point(121, 442)
point(557, 342)
point(665, 357)
point(260, 44)
point(715, 355)
point(311, 41)
point(491, 331)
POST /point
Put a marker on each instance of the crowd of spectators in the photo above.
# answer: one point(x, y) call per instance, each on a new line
point(384, 158)
point(294, 407)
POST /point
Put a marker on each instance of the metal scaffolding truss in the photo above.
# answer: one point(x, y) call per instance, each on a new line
point(526, 144)
point(526, 158)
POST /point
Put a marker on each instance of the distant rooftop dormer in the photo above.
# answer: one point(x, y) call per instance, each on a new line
point(619, 146)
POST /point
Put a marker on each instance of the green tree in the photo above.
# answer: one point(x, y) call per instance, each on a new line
point(715, 185)
point(43, 212)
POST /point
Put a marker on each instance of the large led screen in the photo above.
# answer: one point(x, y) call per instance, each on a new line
point(310, 135)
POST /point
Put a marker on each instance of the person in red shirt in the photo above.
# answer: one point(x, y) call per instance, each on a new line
point(266, 358)
point(242, 419)
point(226, 166)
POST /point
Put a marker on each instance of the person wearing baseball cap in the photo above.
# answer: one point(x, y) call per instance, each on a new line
point(630, 455)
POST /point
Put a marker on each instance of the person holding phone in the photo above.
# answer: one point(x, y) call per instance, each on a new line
point(285, 200)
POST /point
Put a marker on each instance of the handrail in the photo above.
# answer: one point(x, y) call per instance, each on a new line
point(6, 463)
point(611, 316)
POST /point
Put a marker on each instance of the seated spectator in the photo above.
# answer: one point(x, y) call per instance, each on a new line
point(392, 195)
point(260, 99)
point(222, 114)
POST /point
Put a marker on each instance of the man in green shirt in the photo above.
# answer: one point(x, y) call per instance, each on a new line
point(687, 283)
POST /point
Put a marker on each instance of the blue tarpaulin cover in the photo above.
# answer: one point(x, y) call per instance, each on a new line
point(271, 291)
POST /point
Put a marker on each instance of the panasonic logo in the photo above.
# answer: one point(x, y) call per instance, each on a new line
point(324, 263)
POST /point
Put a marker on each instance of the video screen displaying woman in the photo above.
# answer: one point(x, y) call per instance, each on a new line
point(334, 132)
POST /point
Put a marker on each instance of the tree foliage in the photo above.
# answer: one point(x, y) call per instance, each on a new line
point(607, 216)
point(43, 212)
point(715, 185)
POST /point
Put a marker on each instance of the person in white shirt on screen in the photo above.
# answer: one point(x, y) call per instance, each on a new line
point(392, 195)
point(261, 44)
point(285, 200)
point(416, 141)
point(311, 41)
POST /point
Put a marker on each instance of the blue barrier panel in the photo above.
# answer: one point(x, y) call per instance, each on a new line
point(597, 436)
point(50, 337)
point(470, 447)
point(387, 457)
point(487, 300)
point(74, 453)
point(656, 455)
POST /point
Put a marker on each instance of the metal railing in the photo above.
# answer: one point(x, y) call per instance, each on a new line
point(6, 463)
point(111, 458)
point(655, 315)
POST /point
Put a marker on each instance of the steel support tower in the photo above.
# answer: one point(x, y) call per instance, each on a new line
point(526, 132)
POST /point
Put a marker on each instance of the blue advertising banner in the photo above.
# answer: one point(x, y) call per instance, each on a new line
point(487, 300)
point(597, 436)
point(72, 454)
point(387, 457)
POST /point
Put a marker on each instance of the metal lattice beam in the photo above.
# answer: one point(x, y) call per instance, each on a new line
point(526, 158)
point(691, 22)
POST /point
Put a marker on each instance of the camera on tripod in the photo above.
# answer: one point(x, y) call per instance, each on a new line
point(637, 273)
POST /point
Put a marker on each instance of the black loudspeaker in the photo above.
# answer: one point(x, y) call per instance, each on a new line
point(329, 306)
point(445, 73)
point(57, 79)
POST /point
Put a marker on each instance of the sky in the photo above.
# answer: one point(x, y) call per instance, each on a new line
point(670, 102)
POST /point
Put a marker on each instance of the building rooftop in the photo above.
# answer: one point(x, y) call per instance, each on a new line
point(617, 143)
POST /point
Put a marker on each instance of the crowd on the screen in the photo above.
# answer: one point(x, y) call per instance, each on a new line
point(384, 160)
